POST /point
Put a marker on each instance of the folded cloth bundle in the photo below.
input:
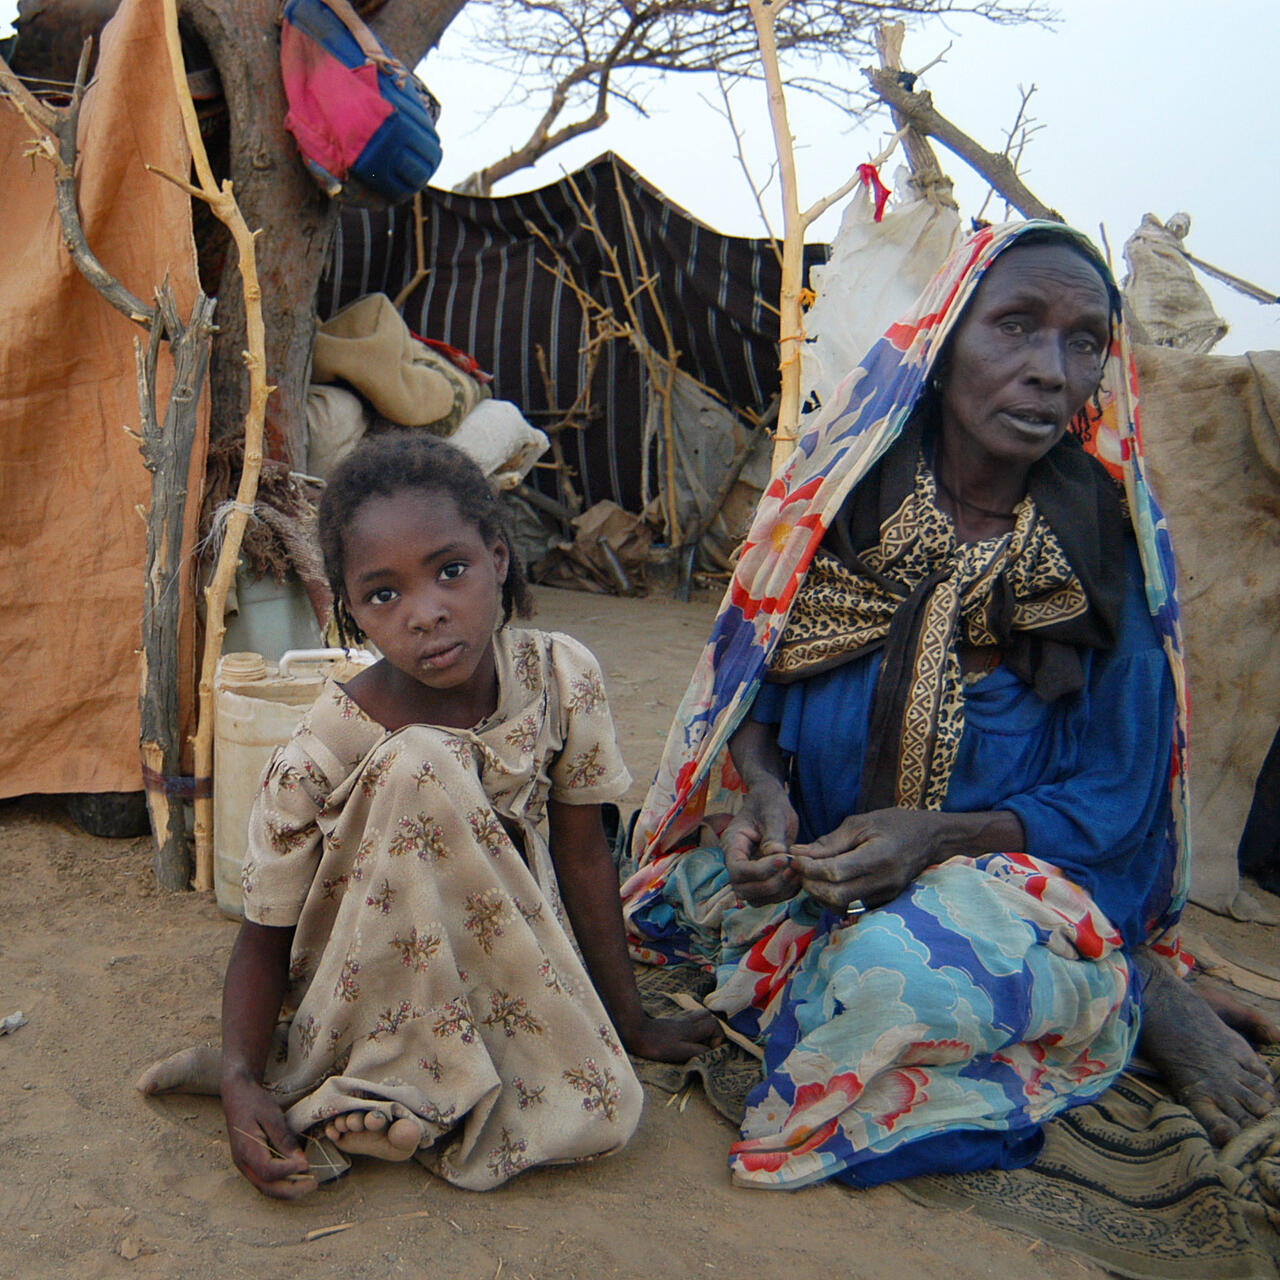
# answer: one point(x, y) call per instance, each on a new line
point(368, 346)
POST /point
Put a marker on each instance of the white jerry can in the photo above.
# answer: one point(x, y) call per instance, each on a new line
point(257, 706)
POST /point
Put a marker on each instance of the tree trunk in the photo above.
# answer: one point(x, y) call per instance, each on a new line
point(296, 220)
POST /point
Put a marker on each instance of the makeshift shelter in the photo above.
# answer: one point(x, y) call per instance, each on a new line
point(491, 289)
point(1211, 427)
point(504, 280)
point(72, 552)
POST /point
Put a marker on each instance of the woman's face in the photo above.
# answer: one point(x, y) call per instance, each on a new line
point(1026, 356)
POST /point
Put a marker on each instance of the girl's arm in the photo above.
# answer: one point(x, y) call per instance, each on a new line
point(251, 999)
point(589, 887)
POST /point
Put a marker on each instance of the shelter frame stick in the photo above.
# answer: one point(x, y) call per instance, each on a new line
point(167, 448)
point(661, 369)
point(420, 270)
point(927, 176)
point(222, 201)
point(795, 222)
point(666, 368)
point(917, 109)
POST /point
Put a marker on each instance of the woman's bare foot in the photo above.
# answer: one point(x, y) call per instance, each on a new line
point(1210, 1067)
point(1251, 1023)
point(197, 1070)
point(369, 1133)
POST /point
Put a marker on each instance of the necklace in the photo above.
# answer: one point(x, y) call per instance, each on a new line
point(973, 506)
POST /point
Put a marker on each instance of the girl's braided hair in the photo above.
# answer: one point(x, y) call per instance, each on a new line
point(386, 464)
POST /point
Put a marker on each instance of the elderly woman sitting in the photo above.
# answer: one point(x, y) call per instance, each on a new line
point(950, 826)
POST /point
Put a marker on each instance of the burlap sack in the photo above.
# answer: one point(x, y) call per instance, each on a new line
point(1211, 427)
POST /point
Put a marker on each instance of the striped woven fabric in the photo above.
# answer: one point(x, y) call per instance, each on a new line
point(490, 292)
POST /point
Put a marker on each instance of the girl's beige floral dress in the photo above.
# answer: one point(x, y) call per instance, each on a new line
point(432, 973)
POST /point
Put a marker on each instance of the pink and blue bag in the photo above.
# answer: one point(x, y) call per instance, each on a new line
point(355, 111)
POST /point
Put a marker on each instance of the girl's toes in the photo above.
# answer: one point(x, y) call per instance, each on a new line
point(405, 1135)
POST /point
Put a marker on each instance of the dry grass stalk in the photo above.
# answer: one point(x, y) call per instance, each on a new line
point(319, 1233)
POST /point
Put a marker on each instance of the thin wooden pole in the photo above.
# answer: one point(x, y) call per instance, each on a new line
point(790, 312)
point(166, 450)
point(222, 201)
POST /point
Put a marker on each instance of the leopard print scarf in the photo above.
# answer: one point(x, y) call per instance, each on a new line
point(920, 594)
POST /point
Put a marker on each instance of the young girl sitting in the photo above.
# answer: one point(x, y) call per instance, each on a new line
point(399, 896)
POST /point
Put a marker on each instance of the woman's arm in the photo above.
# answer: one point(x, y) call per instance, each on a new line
point(757, 841)
point(589, 887)
point(873, 857)
point(263, 1146)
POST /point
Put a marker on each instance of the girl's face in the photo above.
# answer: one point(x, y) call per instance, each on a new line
point(424, 585)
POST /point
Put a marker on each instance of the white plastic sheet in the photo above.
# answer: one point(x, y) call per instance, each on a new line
point(875, 271)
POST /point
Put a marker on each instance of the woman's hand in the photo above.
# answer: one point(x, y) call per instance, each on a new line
point(870, 856)
point(673, 1039)
point(263, 1146)
point(756, 845)
point(873, 857)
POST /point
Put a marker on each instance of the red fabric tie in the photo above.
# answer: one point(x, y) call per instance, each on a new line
point(870, 178)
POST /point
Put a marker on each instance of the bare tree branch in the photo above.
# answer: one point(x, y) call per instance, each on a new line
point(756, 192)
point(576, 55)
point(42, 117)
point(1016, 138)
point(918, 109)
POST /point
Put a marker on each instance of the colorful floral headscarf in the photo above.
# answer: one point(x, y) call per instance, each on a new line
point(696, 782)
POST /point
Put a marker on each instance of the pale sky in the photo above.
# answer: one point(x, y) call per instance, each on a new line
point(1147, 105)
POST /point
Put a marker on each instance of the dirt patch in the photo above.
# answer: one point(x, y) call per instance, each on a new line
point(112, 973)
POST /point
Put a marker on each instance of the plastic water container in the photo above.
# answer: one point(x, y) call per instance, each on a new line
point(257, 706)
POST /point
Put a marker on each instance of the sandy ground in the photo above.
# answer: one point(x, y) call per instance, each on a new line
point(95, 1181)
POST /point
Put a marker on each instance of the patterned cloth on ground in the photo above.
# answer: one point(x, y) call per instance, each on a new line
point(1129, 1181)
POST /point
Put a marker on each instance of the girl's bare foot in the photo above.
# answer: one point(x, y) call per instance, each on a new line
point(370, 1133)
point(1210, 1067)
point(197, 1070)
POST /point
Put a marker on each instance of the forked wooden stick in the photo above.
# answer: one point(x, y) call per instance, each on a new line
point(795, 222)
point(222, 201)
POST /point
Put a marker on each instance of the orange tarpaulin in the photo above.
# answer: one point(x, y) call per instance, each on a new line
point(72, 543)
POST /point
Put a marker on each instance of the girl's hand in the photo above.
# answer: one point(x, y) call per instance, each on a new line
point(263, 1146)
point(870, 856)
point(756, 844)
point(673, 1039)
